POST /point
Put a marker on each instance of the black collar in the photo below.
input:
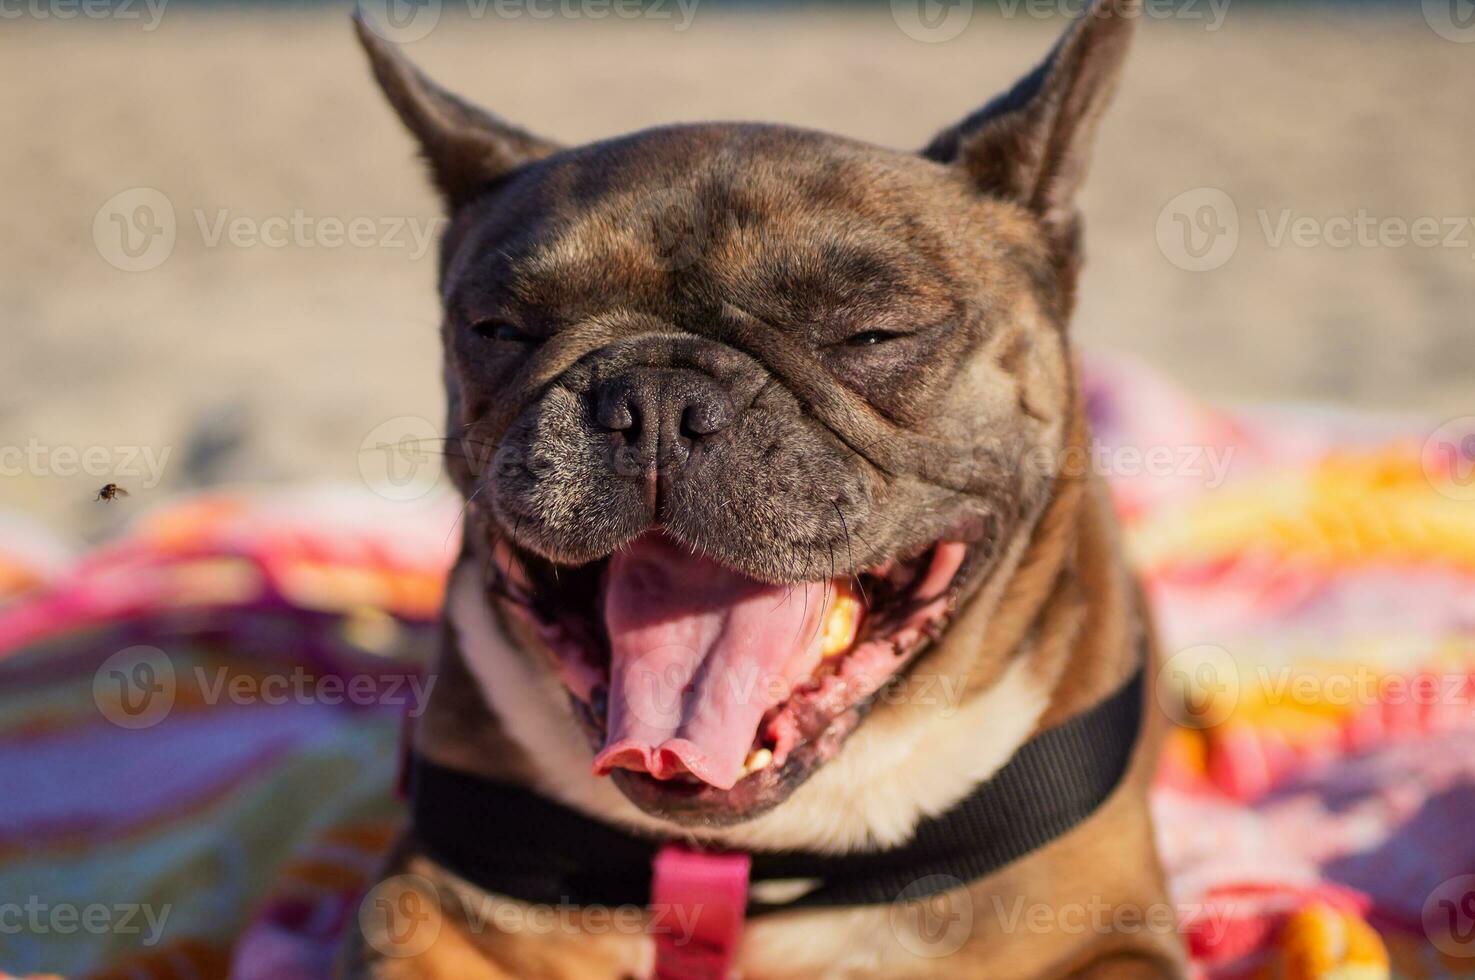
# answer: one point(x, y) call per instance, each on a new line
point(510, 841)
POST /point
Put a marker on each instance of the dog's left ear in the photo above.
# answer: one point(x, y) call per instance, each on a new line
point(466, 146)
point(1032, 144)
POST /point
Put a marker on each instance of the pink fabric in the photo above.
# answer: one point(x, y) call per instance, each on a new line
point(708, 892)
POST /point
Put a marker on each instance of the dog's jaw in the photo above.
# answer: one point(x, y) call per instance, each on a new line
point(841, 807)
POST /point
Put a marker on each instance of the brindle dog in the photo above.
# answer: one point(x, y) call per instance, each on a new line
point(718, 394)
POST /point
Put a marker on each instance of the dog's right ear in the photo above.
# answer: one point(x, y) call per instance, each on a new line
point(465, 146)
point(1031, 144)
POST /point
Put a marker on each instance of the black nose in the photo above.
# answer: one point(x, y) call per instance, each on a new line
point(660, 414)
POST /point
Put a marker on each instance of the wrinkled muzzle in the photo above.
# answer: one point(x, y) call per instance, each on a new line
point(685, 434)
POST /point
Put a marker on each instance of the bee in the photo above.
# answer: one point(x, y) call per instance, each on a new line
point(111, 492)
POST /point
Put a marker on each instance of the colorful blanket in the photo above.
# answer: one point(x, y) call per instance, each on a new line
point(199, 723)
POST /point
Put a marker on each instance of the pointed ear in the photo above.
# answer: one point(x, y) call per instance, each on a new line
point(465, 146)
point(1031, 145)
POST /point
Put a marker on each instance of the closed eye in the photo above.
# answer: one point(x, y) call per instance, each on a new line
point(869, 338)
point(503, 331)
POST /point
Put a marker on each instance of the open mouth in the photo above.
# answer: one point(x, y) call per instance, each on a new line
point(708, 695)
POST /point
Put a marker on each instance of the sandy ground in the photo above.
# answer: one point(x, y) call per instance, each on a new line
point(243, 360)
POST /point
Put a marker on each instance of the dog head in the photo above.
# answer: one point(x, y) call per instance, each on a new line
point(743, 413)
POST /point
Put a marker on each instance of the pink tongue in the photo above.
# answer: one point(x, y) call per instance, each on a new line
point(699, 654)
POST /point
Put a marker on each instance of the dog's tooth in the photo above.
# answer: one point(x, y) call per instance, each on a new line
point(757, 759)
point(842, 621)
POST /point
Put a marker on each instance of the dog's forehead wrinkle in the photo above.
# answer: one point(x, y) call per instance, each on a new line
point(788, 257)
point(793, 278)
point(845, 274)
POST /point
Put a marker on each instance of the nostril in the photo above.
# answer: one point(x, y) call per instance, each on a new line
point(706, 416)
point(615, 413)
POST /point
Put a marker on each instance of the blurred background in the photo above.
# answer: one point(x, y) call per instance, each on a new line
point(217, 270)
point(218, 246)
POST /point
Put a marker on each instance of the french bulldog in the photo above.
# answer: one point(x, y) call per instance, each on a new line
point(773, 550)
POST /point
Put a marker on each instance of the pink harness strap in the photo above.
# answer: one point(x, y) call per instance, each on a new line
point(699, 900)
